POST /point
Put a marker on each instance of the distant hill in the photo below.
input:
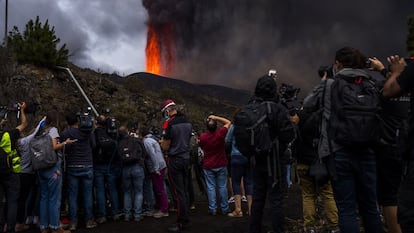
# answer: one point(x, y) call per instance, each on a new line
point(157, 82)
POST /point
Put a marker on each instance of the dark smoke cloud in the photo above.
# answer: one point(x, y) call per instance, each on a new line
point(233, 42)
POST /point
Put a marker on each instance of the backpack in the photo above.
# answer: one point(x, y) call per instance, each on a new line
point(131, 151)
point(355, 111)
point(106, 146)
point(41, 151)
point(251, 128)
point(86, 123)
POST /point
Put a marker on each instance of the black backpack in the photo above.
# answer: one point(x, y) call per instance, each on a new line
point(106, 146)
point(132, 151)
point(252, 130)
point(355, 111)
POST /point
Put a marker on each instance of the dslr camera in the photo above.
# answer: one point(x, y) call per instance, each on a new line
point(327, 69)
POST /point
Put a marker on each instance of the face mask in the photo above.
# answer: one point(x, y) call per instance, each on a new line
point(166, 116)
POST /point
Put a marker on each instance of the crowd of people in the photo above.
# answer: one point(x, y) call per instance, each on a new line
point(350, 139)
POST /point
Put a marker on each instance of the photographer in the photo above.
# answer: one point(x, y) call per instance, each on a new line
point(107, 167)
point(10, 166)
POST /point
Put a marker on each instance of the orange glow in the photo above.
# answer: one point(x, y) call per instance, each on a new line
point(153, 52)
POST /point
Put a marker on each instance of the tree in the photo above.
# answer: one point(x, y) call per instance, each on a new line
point(410, 36)
point(38, 45)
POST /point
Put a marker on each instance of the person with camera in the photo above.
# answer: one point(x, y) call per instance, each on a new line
point(175, 141)
point(215, 162)
point(10, 166)
point(313, 187)
point(353, 133)
point(400, 81)
point(79, 170)
point(107, 168)
point(269, 173)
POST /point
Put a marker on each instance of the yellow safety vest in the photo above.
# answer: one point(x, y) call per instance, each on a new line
point(12, 156)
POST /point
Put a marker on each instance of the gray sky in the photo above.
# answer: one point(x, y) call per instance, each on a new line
point(107, 35)
point(225, 42)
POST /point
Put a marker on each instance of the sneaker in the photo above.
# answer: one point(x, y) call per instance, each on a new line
point(101, 220)
point(64, 222)
point(243, 199)
point(231, 200)
point(192, 207)
point(127, 218)
point(148, 213)
point(91, 224)
point(46, 230)
point(172, 209)
point(60, 230)
point(73, 226)
point(137, 219)
point(160, 214)
point(117, 217)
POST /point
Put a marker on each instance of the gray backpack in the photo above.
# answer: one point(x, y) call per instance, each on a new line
point(42, 154)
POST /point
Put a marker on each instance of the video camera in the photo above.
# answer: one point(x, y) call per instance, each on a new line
point(86, 121)
point(111, 123)
point(327, 69)
point(289, 98)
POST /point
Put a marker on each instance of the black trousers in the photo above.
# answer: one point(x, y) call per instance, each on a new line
point(27, 187)
point(263, 188)
point(9, 188)
point(178, 173)
point(406, 200)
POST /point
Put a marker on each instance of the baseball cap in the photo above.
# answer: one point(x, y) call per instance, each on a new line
point(167, 104)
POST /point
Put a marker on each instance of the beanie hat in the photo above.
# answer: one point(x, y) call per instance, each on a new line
point(266, 88)
point(167, 104)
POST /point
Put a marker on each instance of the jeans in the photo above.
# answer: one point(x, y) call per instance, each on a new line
point(355, 186)
point(50, 196)
point(106, 177)
point(178, 177)
point(132, 183)
point(217, 177)
point(80, 179)
point(9, 188)
point(148, 200)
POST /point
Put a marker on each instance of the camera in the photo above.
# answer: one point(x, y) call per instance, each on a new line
point(327, 69)
point(86, 121)
point(273, 73)
point(289, 98)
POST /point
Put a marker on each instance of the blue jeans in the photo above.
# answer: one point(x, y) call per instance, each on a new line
point(50, 196)
point(80, 178)
point(148, 195)
point(132, 182)
point(355, 186)
point(106, 176)
point(217, 176)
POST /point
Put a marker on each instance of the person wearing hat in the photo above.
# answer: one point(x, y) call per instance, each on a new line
point(175, 141)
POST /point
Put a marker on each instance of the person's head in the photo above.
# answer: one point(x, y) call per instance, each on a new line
point(52, 118)
point(101, 120)
point(168, 108)
point(123, 131)
point(266, 88)
point(349, 57)
point(71, 119)
point(211, 125)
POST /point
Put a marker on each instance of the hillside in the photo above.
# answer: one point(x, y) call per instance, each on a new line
point(133, 100)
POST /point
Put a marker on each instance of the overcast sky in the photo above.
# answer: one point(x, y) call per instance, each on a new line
point(225, 42)
point(101, 34)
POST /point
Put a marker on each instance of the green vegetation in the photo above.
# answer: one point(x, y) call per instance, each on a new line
point(38, 45)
